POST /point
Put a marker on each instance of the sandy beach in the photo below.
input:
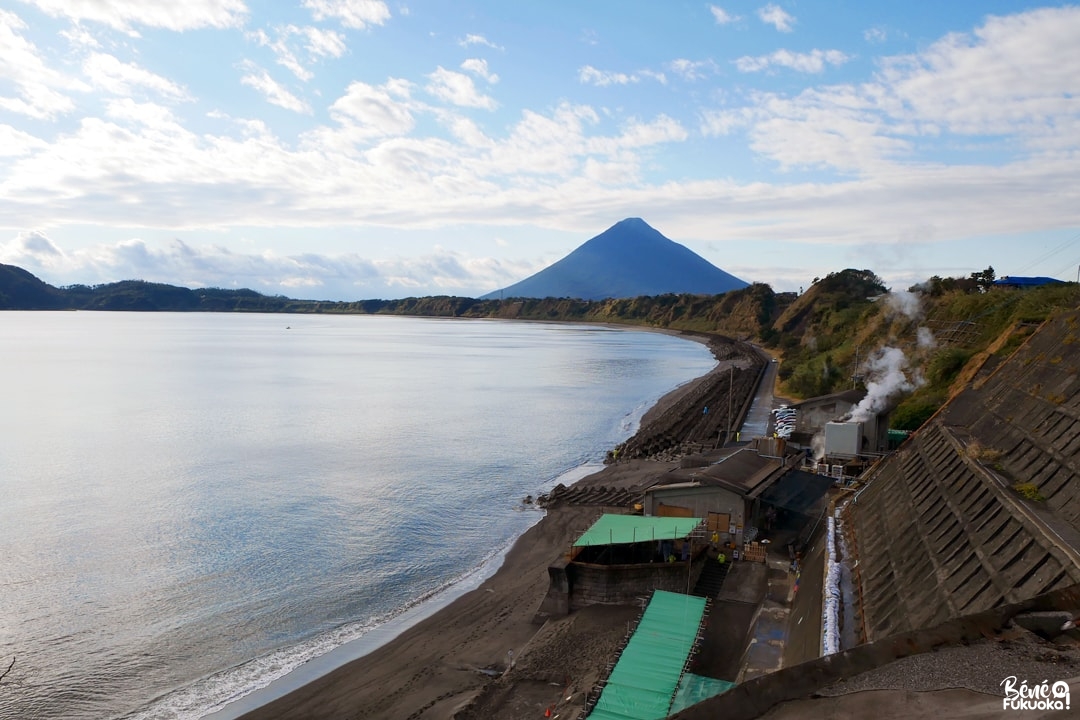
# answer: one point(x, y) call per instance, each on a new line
point(456, 663)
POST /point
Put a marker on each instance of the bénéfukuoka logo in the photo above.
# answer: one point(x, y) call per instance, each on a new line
point(1040, 696)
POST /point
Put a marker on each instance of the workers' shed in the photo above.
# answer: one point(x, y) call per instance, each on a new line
point(623, 557)
point(723, 493)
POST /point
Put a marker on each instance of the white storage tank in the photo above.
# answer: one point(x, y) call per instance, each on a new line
point(843, 439)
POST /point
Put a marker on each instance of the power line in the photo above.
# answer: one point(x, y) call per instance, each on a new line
point(1049, 254)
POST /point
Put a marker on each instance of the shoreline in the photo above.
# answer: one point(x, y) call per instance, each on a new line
point(388, 629)
point(439, 665)
point(380, 635)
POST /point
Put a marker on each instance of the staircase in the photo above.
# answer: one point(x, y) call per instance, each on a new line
point(712, 578)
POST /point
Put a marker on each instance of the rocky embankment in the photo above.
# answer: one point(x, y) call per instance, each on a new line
point(700, 417)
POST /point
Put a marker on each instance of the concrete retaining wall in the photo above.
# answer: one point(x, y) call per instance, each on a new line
point(940, 532)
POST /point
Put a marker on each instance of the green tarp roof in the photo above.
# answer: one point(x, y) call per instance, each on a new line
point(697, 688)
point(623, 529)
point(644, 680)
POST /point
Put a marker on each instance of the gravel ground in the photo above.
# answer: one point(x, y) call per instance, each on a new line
point(979, 667)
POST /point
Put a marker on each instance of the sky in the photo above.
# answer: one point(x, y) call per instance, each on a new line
point(360, 149)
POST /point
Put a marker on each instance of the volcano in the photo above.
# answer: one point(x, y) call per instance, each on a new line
point(629, 259)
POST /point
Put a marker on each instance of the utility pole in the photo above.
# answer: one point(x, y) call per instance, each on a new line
point(730, 390)
point(855, 372)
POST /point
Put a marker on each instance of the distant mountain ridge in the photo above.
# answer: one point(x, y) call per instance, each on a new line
point(629, 259)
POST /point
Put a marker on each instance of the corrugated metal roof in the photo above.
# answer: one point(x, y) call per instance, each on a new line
point(1025, 281)
point(613, 529)
point(797, 491)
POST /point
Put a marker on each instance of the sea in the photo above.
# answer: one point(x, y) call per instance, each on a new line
point(194, 506)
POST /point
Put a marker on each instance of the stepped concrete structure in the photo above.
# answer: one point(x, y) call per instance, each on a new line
point(948, 525)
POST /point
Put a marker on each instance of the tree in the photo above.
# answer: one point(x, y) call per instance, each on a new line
point(984, 279)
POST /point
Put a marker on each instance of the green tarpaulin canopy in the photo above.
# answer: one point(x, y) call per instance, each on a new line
point(696, 688)
point(624, 529)
point(643, 682)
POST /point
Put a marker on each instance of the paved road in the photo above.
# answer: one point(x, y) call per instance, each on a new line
point(757, 417)
point(804, 630)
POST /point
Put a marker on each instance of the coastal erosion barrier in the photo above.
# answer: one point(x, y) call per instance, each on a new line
point(980, 507)
point(701, 418)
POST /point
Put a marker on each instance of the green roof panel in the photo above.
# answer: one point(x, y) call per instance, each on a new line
point(625, 529)
point(643, 682)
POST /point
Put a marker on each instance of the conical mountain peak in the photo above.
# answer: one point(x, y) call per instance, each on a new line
point(629, 259)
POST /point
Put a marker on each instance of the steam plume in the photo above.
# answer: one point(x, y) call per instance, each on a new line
point(902, 302)
point(887, 379)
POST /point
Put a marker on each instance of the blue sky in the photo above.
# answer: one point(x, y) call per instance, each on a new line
point(354, 149)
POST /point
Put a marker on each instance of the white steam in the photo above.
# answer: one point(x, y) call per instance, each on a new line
point(817, 446)
point(909, 304)
point(887, 373)
point(902, 302)
point(925, 338)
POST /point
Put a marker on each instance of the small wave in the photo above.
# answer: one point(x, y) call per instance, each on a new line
point(576, 473)
point(214, 693)
point(631, 421)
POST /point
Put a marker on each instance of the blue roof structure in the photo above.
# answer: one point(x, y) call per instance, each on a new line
point(1017, 281)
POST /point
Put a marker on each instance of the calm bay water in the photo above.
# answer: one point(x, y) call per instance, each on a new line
point(193, 504)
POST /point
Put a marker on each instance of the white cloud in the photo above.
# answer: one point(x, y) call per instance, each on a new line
point(308, 275)
point(655, 75)
point(478, 40)
point(811, 62)
point(467, 132)
point(479, 67)
point(875, 35)
point(716, 123)
point(122, 14)
point(692, 69)
point(14, 142)
point(538, 145)
point(458, 89)
point(80, 37)
point(32, 250)
point(108, 73)
point(1015, 75)
point(369, 111)
point(324, 43)
point(357, 14)
point(721, 16)
point(774, 15)
point(826, 129)
point(588, 75)
point(38, 86)
point(1012, 83)
point(317, 42)
point(661, 130)
point(146, 114)
point(273, 91)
